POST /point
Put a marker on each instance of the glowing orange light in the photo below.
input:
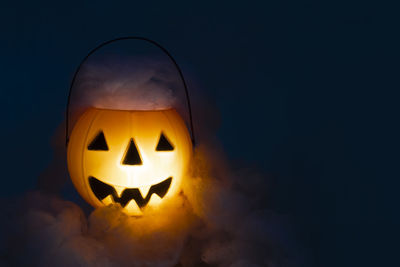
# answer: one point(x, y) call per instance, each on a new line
point(134, 158)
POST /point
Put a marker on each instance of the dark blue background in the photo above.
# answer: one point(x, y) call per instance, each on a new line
point(307, 91)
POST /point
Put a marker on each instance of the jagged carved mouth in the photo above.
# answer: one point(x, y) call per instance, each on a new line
point(101, 190)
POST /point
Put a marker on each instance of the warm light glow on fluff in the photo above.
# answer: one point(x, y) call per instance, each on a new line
point(134, 158)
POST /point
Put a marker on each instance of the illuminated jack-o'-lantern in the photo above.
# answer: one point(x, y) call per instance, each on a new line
point(134, 158)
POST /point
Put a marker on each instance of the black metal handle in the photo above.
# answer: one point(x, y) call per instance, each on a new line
point(120, 39)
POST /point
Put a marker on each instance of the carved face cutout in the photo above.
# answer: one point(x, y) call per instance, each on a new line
point(134, 158)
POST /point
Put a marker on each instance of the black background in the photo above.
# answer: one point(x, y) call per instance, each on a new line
point(307, 91)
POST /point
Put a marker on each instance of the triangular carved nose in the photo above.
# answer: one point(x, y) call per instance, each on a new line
point(132, 156)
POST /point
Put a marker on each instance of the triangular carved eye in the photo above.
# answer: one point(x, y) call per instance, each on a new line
point(164, 144)
point(98, 143)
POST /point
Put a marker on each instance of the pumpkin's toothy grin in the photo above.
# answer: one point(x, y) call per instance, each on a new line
point(101, 190)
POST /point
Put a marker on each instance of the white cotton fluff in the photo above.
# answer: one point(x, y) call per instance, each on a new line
point(128, 84)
